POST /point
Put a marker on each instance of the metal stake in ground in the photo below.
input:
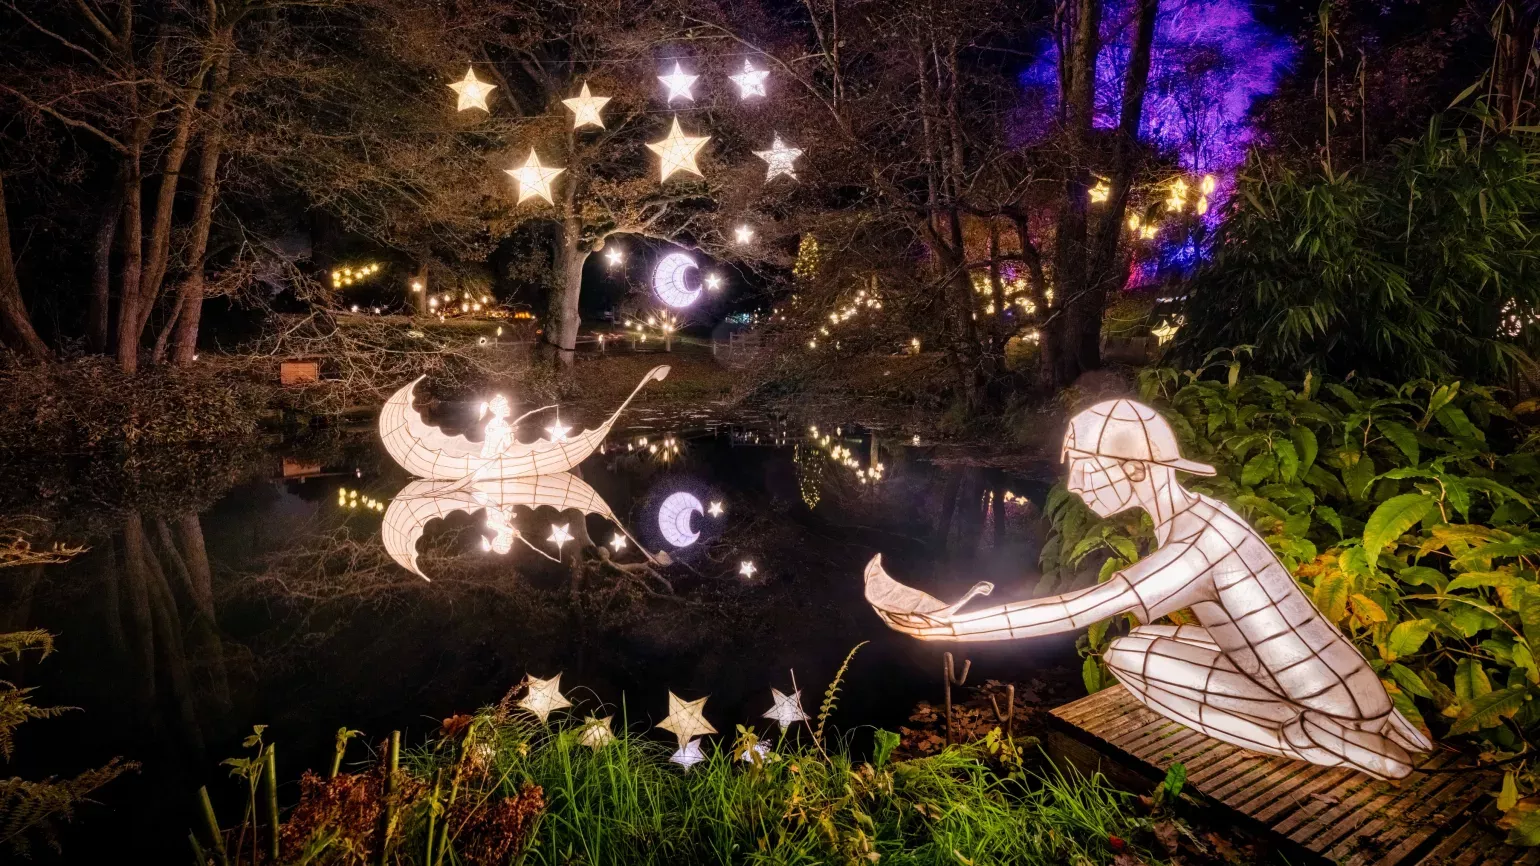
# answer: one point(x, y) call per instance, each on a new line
point(949, 679)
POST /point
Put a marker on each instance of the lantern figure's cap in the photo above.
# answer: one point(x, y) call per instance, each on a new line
point(1125, 430)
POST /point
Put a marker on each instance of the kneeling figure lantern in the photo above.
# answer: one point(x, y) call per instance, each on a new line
point(1263, 670)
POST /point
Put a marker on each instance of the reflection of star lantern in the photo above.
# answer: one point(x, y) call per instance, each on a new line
point(713, 282)
point(746, 568)
point(686, 719)
point(688, 755)
point(544, 696)
point(585, 108)
point(751, 81)
point(473, 92)
point(679, 83)
point(715, 510)
point(558, 431)
point(787, 709)
point(744, 234)
point(780, 157)
point(618, 542)
point(560, 535)
point(678, 150)
point(761, 749)
point(534, 179)
point(596, 732)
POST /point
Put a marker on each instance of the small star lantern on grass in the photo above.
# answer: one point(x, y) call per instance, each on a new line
point(544, 696)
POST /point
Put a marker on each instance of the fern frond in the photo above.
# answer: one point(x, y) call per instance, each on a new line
point(28, 807)
point(831, 697)
point(13, 644)
point(16, 708)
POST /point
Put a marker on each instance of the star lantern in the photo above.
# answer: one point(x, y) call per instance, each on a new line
point(787, 710)
point(534, 179)
point(558, 431)
point(678, 151)
point(596, 732)
point(713, 282)
point(760, 749)
point(585, 108)
point(679, 84)
point(688, 755)
point(743, 234)
point(614, 256)
point(780, 159)
point(716, 509)
point(751, 81)
point(686, 720)
point(618, 542)
point(473, 92)
point(560, 535)
point(746, 568)
point(544, 696)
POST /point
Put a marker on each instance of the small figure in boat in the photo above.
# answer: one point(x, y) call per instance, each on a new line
point(500, 521)
point(499, 433)
point(1263, 670)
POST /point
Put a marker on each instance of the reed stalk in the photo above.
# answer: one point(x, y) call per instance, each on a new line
point(211, 824)
point(270, 781)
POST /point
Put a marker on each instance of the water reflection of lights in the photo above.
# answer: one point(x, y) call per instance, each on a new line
point(674, 519)
point(353, 499)
point(664, 450)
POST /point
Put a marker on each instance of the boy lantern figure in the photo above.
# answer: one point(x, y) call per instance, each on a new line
point(1264, 670)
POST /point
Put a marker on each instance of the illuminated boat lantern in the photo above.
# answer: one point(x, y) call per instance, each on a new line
point(427, 452)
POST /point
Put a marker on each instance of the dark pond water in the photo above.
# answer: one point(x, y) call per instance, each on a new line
point(227, 589)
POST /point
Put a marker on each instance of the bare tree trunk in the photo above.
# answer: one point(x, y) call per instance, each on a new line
point(14, 319)
point(190, 294)
point(98, 320)
point(132, 226)
point(562, 332)
point(154, 272)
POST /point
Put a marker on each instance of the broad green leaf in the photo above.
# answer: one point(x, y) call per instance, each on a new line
point(1288, 459)
point(1508, 797)
point(1091, 674)
point(1258, 469)
point(1490, 709)
point(1401, 437)
point(1358, 475)
point(1391, 518)
point(1408, 681)
point(1524, 832)
point(1470, 681)
point(1305, 444)
point(1529, 613)
point(1524, 660)
point(1329, 516)
point(1366, 609)
point(1421, 575)
point(1331, 595)
point(1475, 579)
point(1454, 419)
point(1407, 638)
point(1096, 635)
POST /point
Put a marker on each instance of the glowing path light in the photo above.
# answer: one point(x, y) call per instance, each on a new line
point(674, 519)
point(668, 280)
point(1261, 669)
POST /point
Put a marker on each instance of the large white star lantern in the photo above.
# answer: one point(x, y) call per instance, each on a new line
point(472, 91)
point(686, 719)
point(585, 108)
point(679, 84)
point(534, 179)
point(787, 710)
point(678, 151)
point(544, 696)
point(780, 159)
point(751, 81)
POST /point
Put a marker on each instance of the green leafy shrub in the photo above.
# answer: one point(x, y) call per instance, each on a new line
point(1407, 512)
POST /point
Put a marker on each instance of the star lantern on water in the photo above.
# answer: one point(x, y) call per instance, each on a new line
point(751, 81)
point(787, 710)
point(618, 542)
point(596, 733)
point(781, 159)
point(746, 568)
point(560, 535)
point(534, 179)
point(678, 151)
point(688, 755)
point(743, 234)
point(679, 83)
point(585, 108)
point(716, 508)
point(544, 696)
point(686, 719)
point(472, 91)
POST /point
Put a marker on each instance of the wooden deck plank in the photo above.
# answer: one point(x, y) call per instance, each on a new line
point(1337, 813)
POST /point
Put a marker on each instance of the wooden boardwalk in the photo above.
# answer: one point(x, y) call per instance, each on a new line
point(1339, 815)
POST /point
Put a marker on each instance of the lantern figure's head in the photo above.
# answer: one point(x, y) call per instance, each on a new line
point(498, 406)
point(1120, 453)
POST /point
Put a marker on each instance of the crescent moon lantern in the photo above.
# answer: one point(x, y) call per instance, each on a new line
point(674, 519)
point(668, 280)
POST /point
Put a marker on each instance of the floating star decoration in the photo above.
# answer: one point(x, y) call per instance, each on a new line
point(686, 719)
point(743, 234)
point(618, 542)
point(560, 535)
point(751, 81)
point(596, 732)
point(473, 92)
point(713, 282)
point(679, 83)
point(534, 179)
point(678, 151)
point(688, 755)
point(780, 159)
point(544, 696)
point(746, 568)
point(585, 108)
point(788, 708)
point(614, 256)
point(716, 509)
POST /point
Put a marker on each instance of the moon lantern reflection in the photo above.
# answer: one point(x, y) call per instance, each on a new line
point(674, 519)
point(668, 280)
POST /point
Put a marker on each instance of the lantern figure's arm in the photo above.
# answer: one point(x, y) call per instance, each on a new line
point(914, 613)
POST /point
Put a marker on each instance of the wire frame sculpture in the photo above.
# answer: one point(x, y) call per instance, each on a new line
point(426, 451)
point(1263, 669)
